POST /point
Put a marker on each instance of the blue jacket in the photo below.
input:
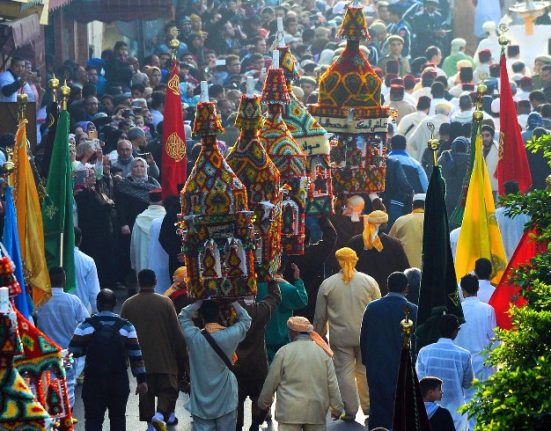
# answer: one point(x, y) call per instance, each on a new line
point(381, 345)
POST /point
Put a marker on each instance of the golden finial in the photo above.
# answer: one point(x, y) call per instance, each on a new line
point(9, 166)
point(407, 326)
point(65, 93)
point(174, 43)
point(54, 85)
point(547, 182)
point(22, 100)
point(433, 144)
point(394, 113)
point(481, 91)
point(503, 41)
point(478, 116)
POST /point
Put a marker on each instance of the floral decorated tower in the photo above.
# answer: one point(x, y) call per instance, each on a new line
point(289, 159)
point(216, 225)
point(19, 408)
point(249, 161)
point(349, 105)
point(311, 137)
point(42, 365)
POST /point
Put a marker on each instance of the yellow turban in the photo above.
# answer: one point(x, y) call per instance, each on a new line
point(181, 273)
point(372, 222)
point(178, 280)
point(347, 259)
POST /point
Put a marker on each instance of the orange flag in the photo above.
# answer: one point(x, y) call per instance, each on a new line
point(29, 219)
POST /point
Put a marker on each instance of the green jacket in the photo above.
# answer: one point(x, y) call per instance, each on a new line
point(293, 297)
point(450, 63)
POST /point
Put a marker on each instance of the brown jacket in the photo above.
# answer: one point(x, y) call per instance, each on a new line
point(251, 367)
point(159, 333)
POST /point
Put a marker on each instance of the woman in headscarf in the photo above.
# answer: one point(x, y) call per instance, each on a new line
point(131, 194)
point(154, 74)
point(131, 198)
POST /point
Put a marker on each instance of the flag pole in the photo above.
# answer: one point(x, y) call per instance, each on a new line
point(53, 83)
point(433, 144)
point(22, 99)
point(407, 327)
point(65, 93)
point(174, 43)
point(478, 115)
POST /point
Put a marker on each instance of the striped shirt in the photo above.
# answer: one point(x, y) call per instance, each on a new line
point(453, 365)
point(84, 334)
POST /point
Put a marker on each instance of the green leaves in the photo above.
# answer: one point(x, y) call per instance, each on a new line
point(518, 396)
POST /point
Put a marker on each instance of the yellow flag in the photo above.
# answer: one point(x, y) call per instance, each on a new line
point(29, 219)
point(480, 235)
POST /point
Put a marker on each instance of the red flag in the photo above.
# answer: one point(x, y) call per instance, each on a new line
point(506, 293)
point(174, 157)
point(513, 162)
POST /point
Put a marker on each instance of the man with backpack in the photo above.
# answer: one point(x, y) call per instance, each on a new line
point(108, 342)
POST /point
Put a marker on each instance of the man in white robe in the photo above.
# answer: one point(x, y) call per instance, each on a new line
point(417, 143)
point(158, 257)
point(450, 363)
point(409, 122)
point(483, 270)
point(490, 42)
point(511, 227)
point(139, 243)
point(86, 275)
point(478, 331)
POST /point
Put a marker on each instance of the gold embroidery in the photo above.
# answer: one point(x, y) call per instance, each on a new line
point(175, 147)
point(174, 85)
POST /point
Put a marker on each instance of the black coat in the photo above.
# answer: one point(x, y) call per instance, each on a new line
point(380, 265)
point(381, 346)
point(442, 420)
point(128, 206)
point(312, 266)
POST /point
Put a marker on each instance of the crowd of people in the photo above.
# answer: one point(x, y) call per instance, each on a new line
point(349, 288)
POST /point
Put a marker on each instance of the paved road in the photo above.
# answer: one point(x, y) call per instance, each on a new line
point(185, 424)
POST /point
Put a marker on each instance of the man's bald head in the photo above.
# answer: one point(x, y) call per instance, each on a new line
point(354, 207)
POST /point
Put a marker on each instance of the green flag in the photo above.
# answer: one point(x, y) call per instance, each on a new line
point(57, 208)
point(439, 293)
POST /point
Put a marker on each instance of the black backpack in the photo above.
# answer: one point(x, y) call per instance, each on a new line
point(106, 353)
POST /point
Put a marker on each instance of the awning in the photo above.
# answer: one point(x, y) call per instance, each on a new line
point(119, 10)
point(18, 33)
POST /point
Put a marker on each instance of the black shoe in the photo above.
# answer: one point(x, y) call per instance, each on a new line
point(172, 423)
